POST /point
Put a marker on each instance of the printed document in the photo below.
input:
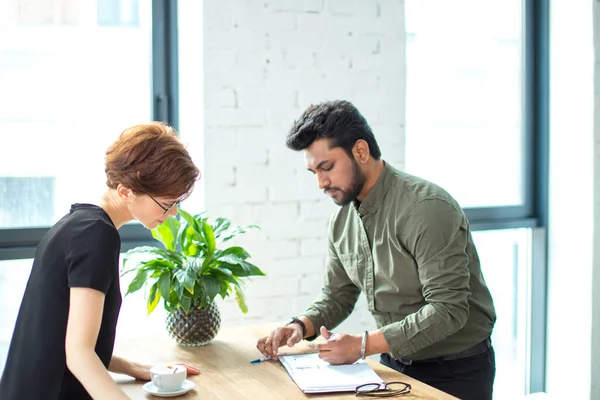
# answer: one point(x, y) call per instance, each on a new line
point(313, 375)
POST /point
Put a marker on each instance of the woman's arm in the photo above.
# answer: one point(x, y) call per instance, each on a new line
point(85, 317)
point(141, 371)
point(122, 366)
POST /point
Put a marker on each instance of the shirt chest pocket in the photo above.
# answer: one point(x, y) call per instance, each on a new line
point(351, 263)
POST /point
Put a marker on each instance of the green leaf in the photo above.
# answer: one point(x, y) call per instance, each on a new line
point(198, 292)
point(211, 286)
point(196, 265)
point(192, 242)
point(174, 303)
point(178, 288)
point(138, 281)
point(164, 285)
point(167, 232)
point(252, 269)
point(153, 298)
point(236, 251)
point(186, 303)
point(209, 236)
point(193, 249)
point(224, 289)
point(241, 298)
point(220, 226)
point(238, 231)
point(147, 251)
point(159, 264)
point(225, 271)
point(221, 275)
point(185, 279)
point(235, 269)
point(195, 224)
point(248, 268)
point(202, 215)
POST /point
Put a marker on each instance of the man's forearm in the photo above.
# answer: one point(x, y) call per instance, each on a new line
point(310, 327)
point(376, 343)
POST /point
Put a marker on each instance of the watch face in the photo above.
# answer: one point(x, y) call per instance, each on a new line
point(289, 321)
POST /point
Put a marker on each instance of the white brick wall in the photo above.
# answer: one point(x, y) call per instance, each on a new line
point(264, 63)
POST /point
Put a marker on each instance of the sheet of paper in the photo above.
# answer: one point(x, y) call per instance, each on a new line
point(313, 375)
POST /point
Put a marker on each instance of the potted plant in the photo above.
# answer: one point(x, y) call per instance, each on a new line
point(189, 272)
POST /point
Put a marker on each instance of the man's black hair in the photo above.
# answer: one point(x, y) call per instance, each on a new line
point(338, 120)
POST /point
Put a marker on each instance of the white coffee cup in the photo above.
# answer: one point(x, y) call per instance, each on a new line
point(168, 378)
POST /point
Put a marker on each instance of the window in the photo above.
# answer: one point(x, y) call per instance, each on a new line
point(75, 86)
point(13, 279)
point(464, 98)
point(506, 264)
point(64, 88)
point(477, 125)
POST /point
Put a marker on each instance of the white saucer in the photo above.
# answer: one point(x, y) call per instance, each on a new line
point(186, 386)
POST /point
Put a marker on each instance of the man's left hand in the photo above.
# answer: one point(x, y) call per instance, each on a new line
point(342, 349)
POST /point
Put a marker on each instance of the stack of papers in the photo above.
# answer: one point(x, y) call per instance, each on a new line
point(313, 375)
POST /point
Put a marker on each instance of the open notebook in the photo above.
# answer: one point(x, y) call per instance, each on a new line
point(313, 375)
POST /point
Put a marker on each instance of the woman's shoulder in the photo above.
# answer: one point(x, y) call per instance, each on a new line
point(84, 222)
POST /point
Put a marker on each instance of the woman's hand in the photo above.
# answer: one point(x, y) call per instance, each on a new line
point(142, 371)
point(190, 370)
point(139, 371)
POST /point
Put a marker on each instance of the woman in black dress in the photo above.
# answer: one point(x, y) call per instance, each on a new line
point(64, 335)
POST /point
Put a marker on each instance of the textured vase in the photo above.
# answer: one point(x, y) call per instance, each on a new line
point(197, 327)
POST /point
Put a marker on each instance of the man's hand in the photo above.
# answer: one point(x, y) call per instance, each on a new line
point(342, 349)
point(284, 335)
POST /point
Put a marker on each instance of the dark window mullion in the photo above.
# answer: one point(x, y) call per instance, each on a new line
point(537, 33)
point(165, 79)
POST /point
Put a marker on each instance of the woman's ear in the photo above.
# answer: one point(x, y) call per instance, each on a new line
point(124, 193)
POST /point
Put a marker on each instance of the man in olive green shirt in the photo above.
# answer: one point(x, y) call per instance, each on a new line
point(406, 244)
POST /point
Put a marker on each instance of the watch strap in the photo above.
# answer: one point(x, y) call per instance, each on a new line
point(296, 320)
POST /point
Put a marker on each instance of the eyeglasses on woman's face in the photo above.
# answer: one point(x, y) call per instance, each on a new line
point(165, 209)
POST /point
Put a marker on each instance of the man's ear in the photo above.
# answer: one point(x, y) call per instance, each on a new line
point(361, 151)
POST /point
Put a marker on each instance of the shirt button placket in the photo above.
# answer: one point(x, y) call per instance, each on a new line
point(369, 293)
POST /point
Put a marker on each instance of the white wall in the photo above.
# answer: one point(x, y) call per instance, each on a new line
point(573, 204)
point(264, 63)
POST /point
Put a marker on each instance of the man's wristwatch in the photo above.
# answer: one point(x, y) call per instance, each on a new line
point(296, 320)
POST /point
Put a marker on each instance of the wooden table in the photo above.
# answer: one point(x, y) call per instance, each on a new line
point(226, 372)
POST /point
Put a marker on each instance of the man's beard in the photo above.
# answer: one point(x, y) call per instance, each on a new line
point(356, 186)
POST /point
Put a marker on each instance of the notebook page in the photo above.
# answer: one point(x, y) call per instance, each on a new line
point(313, 375)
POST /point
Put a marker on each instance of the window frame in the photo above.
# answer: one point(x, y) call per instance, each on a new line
point(534, 212)
point(19, 243)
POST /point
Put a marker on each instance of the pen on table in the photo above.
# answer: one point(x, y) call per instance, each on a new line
point(260, 360)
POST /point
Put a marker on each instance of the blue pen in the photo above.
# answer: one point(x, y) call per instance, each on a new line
point(260, 360)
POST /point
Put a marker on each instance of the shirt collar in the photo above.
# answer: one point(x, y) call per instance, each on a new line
point(375, 196)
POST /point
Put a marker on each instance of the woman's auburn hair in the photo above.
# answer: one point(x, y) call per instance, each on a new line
point(150, 159)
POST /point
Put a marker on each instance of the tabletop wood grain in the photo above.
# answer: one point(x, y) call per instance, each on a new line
point(226, 372)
